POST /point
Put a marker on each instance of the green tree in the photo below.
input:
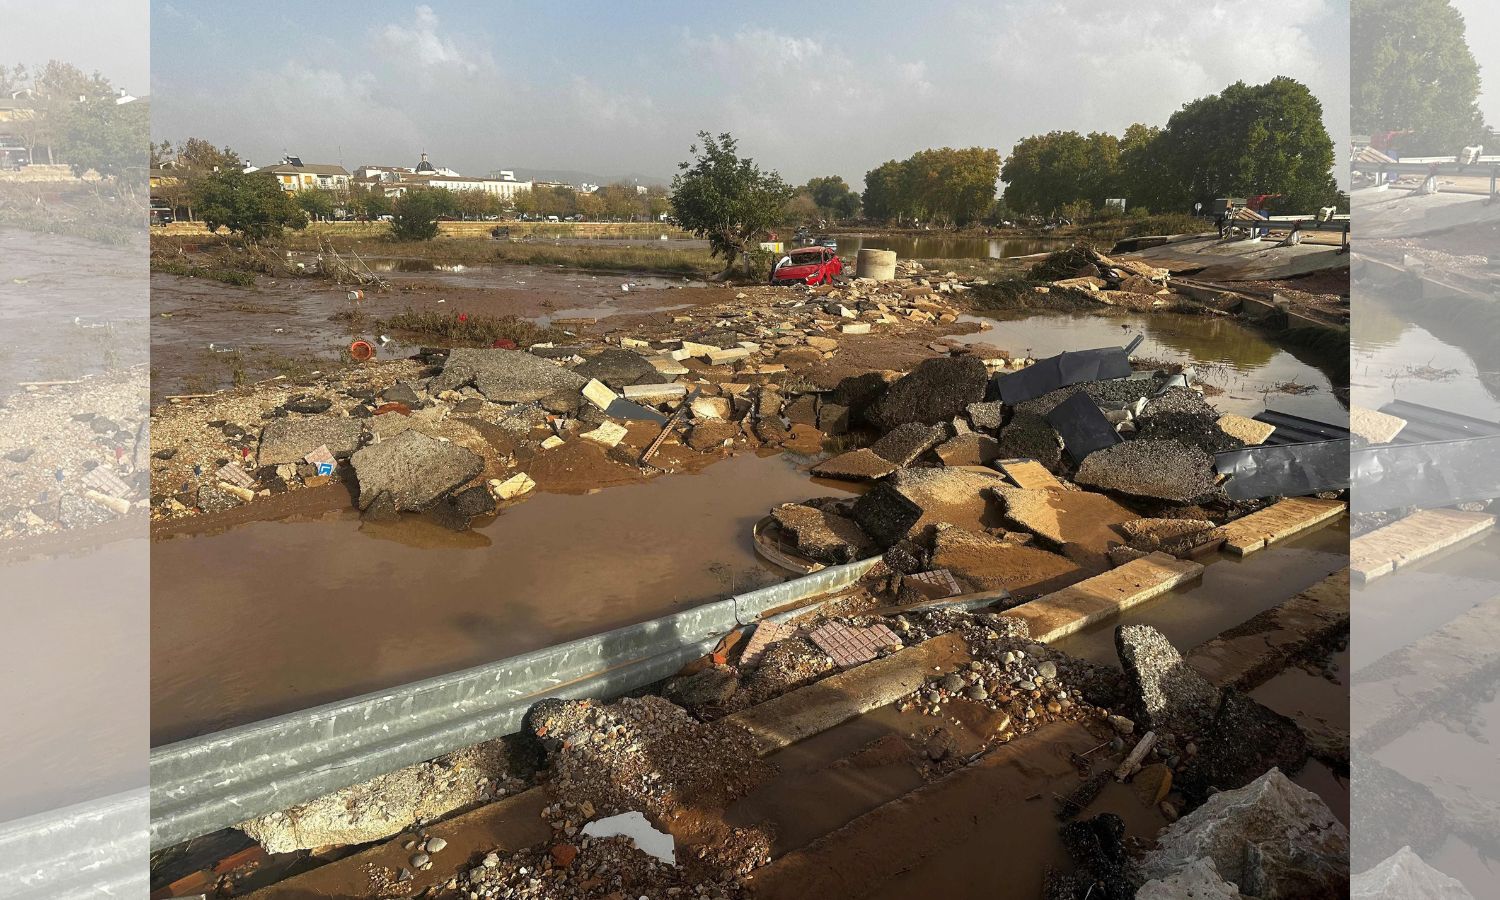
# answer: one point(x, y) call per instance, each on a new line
point(1411, 70)
point(103, 135)
point(415, 213)
point(833, 197)
point(252, 205)
point(725, 198)
point(882, 195)
point(318, 204)
point(943, 185)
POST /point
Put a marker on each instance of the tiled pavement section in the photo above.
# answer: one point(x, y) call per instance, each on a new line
point(850, 646)
point(766, 634)
point(942, 580)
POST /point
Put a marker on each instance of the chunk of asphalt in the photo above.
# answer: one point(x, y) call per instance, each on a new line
point(905, 444)
point(1162, 470)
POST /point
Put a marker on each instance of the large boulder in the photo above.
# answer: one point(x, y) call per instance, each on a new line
point(506, 376)
point(618, 368)
point(1273, 839)
point(1168, 694)
point(413, 471)
point(1404, 876)
point(1198, 881)
point(935, 391)
point(288, 440)
point(1161, 470)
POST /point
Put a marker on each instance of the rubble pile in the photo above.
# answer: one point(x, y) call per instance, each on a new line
point(593, 867)
point(1127, 283)
point(73, 456)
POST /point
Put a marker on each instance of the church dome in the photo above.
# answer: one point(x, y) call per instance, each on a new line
point(424, 167)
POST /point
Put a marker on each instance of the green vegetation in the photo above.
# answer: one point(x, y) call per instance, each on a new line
point(1412, 73)
point(695, 263)
point(828, 198)
point(726, 199)
point(188, 270)
point(415, 215)
point(253, 206)
point(1246, 140)
point(463, 328)
point(946, 186)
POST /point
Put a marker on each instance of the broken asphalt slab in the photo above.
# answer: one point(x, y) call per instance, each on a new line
point(935, 391)
point(506, 376)
point(412, 470)
point(289, 440)
point(1161, 470)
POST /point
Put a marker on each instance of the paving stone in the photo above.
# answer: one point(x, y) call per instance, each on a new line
point(849, 645)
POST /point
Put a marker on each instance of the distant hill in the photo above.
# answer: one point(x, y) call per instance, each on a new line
point(573, 176)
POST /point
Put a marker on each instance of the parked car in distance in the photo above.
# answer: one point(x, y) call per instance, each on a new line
point(161, 215)
point(808, 265)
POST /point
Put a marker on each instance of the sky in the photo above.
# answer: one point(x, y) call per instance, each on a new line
point(107, 36)
point(613, 89)
point(1482, 21)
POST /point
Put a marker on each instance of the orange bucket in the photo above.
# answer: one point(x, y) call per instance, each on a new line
point(361, 350)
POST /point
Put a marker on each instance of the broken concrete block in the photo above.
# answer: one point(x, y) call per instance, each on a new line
point(1248, 430)
point(822, 344)
point(1168, 694)
point(608, 434)
point(823, 536)
point(1030, 436)
point(1061, 518)
point(1271, 837)
point(986, 416)
point(1163, 470)
point(725, 357)
point(552, 442)
point(856, 465)
point(1244, 740)
point(712, 433)
point(512, 487)
point(833, 419)
point(1182, 414)
point(1178, 537)
point(617, 368)
point(414, 470)
point(969, 449)
point(458, 511)
point(911, 499)
point(905, 444)
point(655, 393)
point(935, 391)
point(506, 376)
point(289, 440)
point(856, 328)
point(989, 563)
point(710, 408)
point(598, 393)
point(1374, 426)
point(692, 348)
point(666, 366)
point(803, 410)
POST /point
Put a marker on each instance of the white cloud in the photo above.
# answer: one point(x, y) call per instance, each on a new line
point(420, 42)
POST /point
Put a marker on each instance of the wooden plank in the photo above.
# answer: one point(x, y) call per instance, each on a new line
point(1407, 540)
point(1074, 608)
point(1278, 522)
point(1030, 474)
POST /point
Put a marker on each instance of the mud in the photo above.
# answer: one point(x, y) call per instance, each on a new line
point(353, 608)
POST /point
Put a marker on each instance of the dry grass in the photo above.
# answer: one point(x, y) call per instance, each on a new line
point(471, 330)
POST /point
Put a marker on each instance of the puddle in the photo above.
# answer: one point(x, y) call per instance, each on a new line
point(354, 610)
point(68, 308)
point(73, 678)
point(1393, 356)
point(1236, 359)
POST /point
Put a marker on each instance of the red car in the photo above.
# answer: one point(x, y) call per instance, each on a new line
point(808, 265)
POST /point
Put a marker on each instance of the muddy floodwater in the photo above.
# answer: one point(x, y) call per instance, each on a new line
point(273, 617)
point(1400, 351)
point(1251, 372)
point(68, 308)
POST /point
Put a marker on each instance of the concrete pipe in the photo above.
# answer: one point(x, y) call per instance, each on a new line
point(877, 264)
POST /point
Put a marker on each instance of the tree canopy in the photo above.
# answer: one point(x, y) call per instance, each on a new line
point(251, 205)
point(415, 213)
point(1248, 139)
point(1411, 70)
point(724, 198)
point(945, 185)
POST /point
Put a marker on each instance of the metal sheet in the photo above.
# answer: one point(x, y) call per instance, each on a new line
point(1434, 473)
point(215, 781)
point(93, 849)
point(1082, 425)
point(1428, 423)
point(1068, 367)
point(1284, 470)
point(1292, 429)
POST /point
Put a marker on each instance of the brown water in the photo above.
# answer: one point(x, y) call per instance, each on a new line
point(73, 680)
point(68, 308)
point(1403, 352)
point(1240, 361)
point(277, 616)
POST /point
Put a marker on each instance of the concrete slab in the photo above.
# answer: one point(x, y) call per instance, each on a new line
point(1278, 522)
point(1104, 596)
point(1420, 534)
point(1248, 430)
point(1030, 474)
point(863, 464)
point(1375, 426)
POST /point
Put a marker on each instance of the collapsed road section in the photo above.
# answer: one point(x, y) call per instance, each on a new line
point(846, 730)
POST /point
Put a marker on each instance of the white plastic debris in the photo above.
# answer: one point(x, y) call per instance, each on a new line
point(634, 826)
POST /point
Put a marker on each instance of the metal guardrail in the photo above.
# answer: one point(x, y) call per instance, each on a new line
point(218, 780)
point(94, 849)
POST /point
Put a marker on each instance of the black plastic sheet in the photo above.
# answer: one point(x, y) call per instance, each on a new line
point(1068, 367)
point(1284, 470)
point(1429, 474)
point(1082, 425)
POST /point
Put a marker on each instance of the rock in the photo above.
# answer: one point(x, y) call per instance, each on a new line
point(935, 391)
point(458, 510)
point(435, 845)
point(306, 405)
point(289, 440)
point(905, 558)
point(1198, 881)
point(563, 855)
point(858, 393)
point(822, 344)
point(823, 536)
point(833, 419)
point(1167, 693)
point(987, 416)
point(507, 376)
point(856, 465)
point(512, 487)
point(1097, 848)
point(905, 444)
point(416, 470)
point(1393, 811)
point(618, 368)
point(1274, 839)
point(912, 499)
point(608, 434)
point(401, 392)
point(972, 449)
point(710, 408)
point(1163, 470)
point(213, 499)
point(803, 410)
point(1151, 784)
point(711, 434)
point(1404, 876)
point(710, 688)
